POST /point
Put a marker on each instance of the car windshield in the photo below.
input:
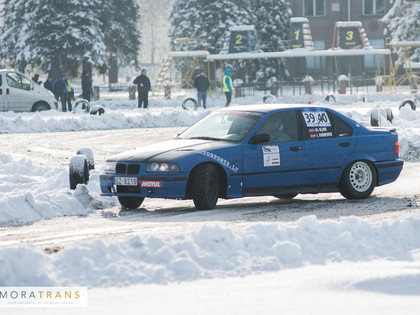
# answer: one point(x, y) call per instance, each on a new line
point(223, 125)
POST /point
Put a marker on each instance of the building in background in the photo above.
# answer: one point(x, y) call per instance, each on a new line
point(322, 15)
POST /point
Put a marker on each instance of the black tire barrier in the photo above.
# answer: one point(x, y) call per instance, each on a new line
point(189, 102)
point(97, 110)
point(89, 157)
point(78, 171)
point(375, 116)
point(268, 99)
point(330, 98)
point(408, 102)
point(81, 106)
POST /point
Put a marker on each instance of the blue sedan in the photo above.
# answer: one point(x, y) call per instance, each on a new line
point(258, 150)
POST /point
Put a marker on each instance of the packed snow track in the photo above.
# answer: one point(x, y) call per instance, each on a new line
point(169, 217)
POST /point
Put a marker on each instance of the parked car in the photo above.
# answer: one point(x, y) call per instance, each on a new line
point(18, 93)
point(258, 150)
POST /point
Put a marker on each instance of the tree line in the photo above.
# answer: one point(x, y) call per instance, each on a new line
point(63, 36)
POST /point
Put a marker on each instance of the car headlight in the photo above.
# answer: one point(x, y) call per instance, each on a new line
point(110, 166)
point(162, 167)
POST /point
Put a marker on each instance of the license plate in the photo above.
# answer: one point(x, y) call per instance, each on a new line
point(126, 181)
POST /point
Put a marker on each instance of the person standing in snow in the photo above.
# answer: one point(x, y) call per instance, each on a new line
point(69, 92)
point(86, 85)
point(59, 90)
point(48, 84)
point(143, 88)
point(228, 87)
point(201, 83)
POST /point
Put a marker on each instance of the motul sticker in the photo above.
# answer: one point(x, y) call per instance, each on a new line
point(150, 184)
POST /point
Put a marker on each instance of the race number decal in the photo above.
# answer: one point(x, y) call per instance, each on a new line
point(316, 119)
point(271, 155)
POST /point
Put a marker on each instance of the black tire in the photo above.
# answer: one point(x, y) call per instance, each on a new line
point(205, 186)
point(81, 106)
point(408, 102)
point(78, 171)
point(40, 107)
point(268, 99)
point(130, 202)
point(97, 110)
point(285, 196)
point(189, 102)
point(89, 157)
point(358, 180)
point(330, 98)
point(389, 114)
point(374, 117)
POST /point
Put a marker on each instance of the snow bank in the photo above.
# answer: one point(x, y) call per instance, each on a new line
point(31, 193)
point(212, 252)
point(53, 121)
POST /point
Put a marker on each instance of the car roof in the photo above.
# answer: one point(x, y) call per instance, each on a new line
point(265, 108)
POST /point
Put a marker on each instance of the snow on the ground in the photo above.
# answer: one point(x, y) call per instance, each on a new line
point(212, 252)
point(42, 192)
point(30, 192)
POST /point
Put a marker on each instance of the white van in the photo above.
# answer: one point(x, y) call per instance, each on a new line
point(18, 93)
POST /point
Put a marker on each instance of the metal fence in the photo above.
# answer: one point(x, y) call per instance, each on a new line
point(322, 85)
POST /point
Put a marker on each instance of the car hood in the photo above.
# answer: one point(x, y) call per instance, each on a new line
point(169, 150)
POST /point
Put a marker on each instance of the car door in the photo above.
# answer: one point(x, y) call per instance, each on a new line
point(274, 166)
point(19, 93)
point(328, 141)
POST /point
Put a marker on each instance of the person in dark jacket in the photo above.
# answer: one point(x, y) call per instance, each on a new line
point(48, 84)
point(201, 83)
point(60, 92)
point(143, 88)
point(86, 85)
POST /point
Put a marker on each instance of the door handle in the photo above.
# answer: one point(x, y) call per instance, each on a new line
point(294, 148)
point(1, 91)
point(7, 91)
point(344, 144)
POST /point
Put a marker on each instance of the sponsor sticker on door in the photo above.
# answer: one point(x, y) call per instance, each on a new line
point(271, 155)
point(150, 184)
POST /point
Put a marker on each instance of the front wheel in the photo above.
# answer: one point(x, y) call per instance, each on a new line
point(40, 107)
point(130, 202)
point(358, 180)
point(205, 186)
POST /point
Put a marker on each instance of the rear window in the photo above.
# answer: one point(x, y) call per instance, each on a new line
point(341, 128)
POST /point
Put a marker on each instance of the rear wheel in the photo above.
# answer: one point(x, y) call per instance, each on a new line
point(205, 186)
point(358, 180)
point(130, 202)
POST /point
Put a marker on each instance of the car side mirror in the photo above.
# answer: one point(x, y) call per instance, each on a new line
point(261, 138)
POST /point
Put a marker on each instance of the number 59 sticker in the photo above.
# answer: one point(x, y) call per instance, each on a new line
point(316, 119)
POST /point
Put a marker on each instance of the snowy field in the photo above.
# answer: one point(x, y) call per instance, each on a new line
point(348, 265)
